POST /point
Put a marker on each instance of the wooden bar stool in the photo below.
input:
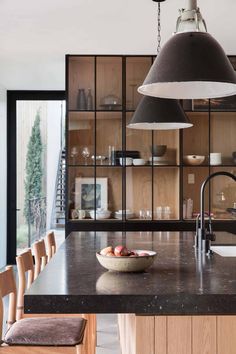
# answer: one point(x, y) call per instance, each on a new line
point(38, 335)
point(50, 244)
point(24, 265)
point(40, 256)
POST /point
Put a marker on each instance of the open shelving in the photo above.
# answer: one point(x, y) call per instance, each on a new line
point(140, 191)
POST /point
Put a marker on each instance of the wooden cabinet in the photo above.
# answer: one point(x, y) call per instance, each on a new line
point(101, 99)
point(177, 334)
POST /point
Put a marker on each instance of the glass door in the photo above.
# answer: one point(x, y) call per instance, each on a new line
point(36, 168)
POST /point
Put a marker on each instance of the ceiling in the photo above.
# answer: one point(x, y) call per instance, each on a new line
point(36, 35)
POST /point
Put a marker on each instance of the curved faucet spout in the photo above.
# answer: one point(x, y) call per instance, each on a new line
point(201, 233)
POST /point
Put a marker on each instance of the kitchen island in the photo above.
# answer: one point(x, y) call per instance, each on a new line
point(182, 304)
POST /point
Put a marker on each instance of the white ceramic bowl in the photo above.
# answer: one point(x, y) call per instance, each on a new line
point(100, 214)
point(139, 162)
point(127, 264)
point(193, 159)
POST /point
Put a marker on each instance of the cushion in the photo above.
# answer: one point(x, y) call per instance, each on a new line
point(46, 331)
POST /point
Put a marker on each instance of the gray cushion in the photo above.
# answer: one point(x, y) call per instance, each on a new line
point(46, 331)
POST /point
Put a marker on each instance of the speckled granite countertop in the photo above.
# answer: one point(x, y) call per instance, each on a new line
point(177, 283)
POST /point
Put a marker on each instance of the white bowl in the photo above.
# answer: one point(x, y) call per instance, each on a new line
point(193, 159)
point(100, 214)
point(127, 263)
point(139, 162)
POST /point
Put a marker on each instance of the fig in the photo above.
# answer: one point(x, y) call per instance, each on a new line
point(132, 253)
point(121, 251)
point(106, 250)
point(110, 254)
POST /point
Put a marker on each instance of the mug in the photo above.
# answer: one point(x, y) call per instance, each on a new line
point(215, 158)
point(81, 214)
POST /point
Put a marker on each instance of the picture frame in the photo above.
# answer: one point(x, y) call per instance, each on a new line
point(216, 104)
point(85, 193)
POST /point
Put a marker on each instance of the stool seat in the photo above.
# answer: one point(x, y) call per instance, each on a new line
point(46, 332)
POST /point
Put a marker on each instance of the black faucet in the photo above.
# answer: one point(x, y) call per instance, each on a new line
point(203, 239)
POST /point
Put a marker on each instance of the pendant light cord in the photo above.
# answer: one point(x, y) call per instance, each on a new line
point(158, 27)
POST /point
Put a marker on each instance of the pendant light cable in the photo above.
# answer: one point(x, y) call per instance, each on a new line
point(158, 27)
point(159, 114)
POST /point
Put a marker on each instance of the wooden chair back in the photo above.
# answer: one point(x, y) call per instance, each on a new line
point(25, 267)
point(8, 287)
point(51, 244)
point(40, 257)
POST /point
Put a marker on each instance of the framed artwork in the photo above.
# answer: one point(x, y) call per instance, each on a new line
point(85, 193)
point(216, 104)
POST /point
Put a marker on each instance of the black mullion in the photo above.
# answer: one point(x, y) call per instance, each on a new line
point(209, 151)
point(152, 177)
point(66, 147)
point(95, 137)
point(152, 60)
point(124, 136)
point(181, 175)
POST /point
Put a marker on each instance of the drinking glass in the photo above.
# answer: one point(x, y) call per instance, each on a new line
point(159, 212)
point(85, 154)
point(142, 214)
point(74, 153)
point(167, 212)
point(148, 214)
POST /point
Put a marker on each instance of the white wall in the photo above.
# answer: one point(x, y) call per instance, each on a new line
point(3, 177)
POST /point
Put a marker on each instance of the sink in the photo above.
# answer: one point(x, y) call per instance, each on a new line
point(224, 251)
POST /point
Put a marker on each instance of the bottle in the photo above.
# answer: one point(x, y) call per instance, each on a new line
point(189, 208)
point(113, 156)
point(81, 100)
point(89, 100)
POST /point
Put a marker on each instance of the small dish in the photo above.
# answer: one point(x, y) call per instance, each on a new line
point(111, 106)
point(129, 214)
point(193, 159)
point(139, 162)
point(127, 263)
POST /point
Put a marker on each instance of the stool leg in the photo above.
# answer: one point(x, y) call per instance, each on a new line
point(91, 335)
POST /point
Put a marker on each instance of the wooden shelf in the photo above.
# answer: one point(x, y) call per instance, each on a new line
point(144, 186)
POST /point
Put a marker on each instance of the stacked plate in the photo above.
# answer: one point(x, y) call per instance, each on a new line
point(119, 213)
point(158, 160)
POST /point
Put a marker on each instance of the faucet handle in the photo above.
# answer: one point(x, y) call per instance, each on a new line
point(210, 236)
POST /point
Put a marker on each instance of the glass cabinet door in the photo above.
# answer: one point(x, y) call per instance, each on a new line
point(136, 71)
point(109, 83)
point(223, 195)
point(81, 78)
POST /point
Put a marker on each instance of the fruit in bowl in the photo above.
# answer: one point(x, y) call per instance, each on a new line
point(121, 259)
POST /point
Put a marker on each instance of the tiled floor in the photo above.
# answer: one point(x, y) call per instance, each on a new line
point(107, 335)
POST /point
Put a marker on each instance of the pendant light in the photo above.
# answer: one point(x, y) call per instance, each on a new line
point(157, 113)
point(192, 64)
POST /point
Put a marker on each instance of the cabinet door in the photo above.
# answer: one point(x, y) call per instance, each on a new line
point(81, 78)
point(166, 193)
point(223, 194)
point(109, 83)
point(136, 71)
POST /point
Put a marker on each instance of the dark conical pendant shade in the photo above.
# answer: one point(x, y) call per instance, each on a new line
point(191, 65)
point(159, 114)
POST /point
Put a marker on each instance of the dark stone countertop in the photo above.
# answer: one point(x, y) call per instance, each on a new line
point(177, 283)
